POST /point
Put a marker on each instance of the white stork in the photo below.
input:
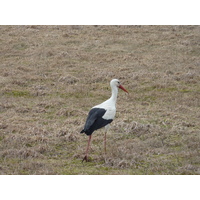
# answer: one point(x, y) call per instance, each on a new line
point(102, 115)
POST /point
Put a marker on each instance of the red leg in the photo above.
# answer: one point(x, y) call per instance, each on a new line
point(105, 142)
point(88, 147)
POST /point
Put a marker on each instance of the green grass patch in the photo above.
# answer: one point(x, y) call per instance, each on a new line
point(18, 93)
point(21, 46)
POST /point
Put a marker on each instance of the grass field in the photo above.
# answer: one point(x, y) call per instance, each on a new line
point(50, 77)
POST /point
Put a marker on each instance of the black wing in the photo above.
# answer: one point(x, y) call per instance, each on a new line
point(95, 121)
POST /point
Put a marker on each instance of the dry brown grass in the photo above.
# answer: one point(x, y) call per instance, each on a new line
point(50, 76)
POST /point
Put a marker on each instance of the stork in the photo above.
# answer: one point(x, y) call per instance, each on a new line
point(102, 115)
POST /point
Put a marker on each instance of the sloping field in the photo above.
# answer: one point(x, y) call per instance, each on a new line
point(50, 77)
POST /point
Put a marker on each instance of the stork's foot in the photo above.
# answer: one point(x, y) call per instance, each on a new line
point(86, 159)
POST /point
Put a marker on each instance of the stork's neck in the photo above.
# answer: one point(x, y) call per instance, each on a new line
point(113, 97)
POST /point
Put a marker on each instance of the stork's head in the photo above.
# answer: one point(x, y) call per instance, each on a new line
point(116, 83)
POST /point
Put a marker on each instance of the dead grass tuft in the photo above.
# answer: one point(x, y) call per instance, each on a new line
point(52, 75)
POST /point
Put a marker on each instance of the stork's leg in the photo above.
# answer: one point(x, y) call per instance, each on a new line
point(105, 143)
point(106, 130)
point(88, 147)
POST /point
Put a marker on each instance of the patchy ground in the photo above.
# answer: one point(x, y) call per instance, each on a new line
point(50, 77)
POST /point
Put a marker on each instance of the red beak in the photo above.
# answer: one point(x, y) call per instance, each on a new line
point(121, 87)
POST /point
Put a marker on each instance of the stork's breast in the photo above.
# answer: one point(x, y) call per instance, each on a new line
point(109, 114)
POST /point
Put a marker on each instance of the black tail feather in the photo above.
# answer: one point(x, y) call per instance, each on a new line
point(82, 131)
